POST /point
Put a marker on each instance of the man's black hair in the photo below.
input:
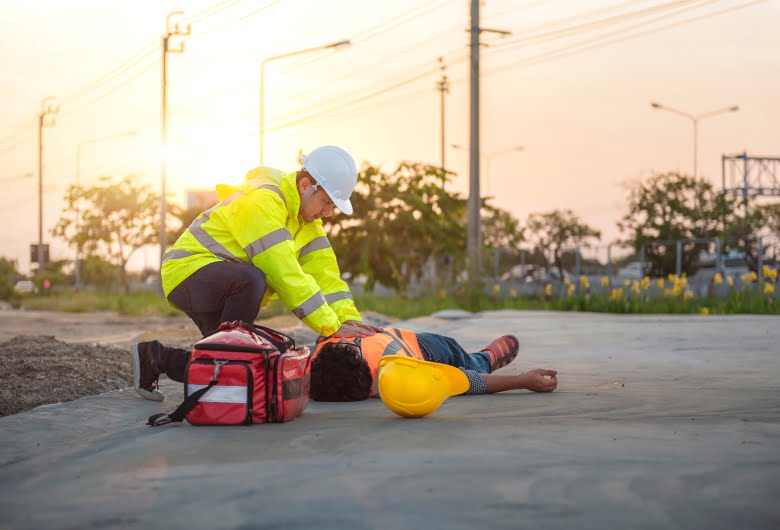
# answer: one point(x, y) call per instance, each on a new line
point(340, 373)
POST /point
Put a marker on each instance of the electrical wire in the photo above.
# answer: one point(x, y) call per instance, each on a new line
point(594, 43)
point(200, 35)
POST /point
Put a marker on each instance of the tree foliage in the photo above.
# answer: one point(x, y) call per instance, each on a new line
point(116, 219)
point(8, 277)
point(405, 219)
point(671, 206)
point(553, 233)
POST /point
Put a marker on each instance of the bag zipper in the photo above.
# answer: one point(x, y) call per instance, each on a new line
point(276, 385)
point(249, 387)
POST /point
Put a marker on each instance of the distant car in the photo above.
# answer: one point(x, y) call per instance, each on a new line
point(24, 286)
point(632, 271)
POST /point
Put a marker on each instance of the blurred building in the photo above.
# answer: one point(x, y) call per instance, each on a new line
point(201, 199)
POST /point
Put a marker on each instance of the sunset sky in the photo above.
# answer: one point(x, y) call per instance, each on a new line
point(572, 84)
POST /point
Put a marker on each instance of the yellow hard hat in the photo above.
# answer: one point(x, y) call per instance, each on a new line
point(414, 388)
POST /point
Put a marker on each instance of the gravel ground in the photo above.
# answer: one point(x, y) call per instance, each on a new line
point(37, 370)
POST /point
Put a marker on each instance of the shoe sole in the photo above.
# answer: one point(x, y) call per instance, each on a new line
point(154, 395)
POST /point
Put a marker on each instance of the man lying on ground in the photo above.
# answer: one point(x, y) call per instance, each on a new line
point(345, 369)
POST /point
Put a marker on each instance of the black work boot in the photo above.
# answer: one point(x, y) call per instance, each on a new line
point(147, 369)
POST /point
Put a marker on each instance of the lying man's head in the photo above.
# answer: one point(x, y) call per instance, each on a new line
point(340, 373)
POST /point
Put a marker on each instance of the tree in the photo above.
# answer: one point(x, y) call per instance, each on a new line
point(671, 206)
point(7, 279)
point(555, 232)
point(404, 219)
point(117, 219)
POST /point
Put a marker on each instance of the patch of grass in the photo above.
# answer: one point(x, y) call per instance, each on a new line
point(136, 303)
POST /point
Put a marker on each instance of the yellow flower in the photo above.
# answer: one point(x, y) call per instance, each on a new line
point(635, 288)
point(718, 279)
point(672, 278)
point(668, 292)
point(704, 311)
point(442, 293)
point(769, 288)
point(496, 289)
point(565, 281)
point(676, 290)
point(570, 290)
point(626, 283)
point(683, 282)
point(687, 295)
point(617, 294)
point(584, 281)
point(512, 293)
point(661, 283)
point(730, 281)
point(746, 278)
point(645, 283)
point(765, 270)
point(753, 275)
point(548, 290)
point(604, 281)
point(772, 274)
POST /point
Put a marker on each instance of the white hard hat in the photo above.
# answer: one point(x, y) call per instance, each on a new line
point(333, 169)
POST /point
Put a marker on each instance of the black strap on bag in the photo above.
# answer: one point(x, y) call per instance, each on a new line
point(182, 410)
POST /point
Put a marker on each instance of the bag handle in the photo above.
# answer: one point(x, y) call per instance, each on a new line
point(279, 340)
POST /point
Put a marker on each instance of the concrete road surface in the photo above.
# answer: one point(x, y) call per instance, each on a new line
point(659, 422)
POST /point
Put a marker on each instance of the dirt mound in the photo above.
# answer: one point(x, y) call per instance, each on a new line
point(36, 370)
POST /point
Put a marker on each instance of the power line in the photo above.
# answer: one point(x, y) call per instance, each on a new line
point(235, 21)
point(593, 43)
point(141, 55)
point(111, 91)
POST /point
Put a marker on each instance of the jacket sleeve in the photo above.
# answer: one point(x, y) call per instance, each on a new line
point(258, 223)
point(318, 259)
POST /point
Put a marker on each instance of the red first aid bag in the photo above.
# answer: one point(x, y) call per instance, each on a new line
point(243, 374)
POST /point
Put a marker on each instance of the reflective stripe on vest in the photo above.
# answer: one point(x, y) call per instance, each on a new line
point(176, 254)
point(267, 241)
point(335, 297)
point(205, 239)
point(318, 243)
point(309, 306)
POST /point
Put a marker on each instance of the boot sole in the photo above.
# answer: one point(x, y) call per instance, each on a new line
point(151, 395)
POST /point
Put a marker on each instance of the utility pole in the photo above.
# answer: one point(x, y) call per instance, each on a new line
point(174, 31)
point(443, 86)
point(47, 118)
point(474, 233)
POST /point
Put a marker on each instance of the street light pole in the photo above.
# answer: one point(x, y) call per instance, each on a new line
point(487, 157)
point(695, 121)
point(333, 45)
point(77, 265)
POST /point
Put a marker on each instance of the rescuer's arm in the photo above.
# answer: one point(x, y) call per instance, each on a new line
point(318, 259)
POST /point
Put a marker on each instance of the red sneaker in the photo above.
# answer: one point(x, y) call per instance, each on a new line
point(502, 351)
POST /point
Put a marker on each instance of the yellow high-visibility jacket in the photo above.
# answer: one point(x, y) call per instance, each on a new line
point(259, 222)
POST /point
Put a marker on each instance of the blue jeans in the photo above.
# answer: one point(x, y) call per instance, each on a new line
point(446, 350)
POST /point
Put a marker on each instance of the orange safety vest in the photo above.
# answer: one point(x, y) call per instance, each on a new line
point(391, 341)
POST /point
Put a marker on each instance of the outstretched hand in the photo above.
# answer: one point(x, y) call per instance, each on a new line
point(351, 328)
point(537, 380)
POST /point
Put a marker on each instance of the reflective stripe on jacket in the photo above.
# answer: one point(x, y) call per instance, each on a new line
point(259, 222)
point(391, 341)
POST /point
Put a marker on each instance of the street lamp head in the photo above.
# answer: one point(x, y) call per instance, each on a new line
point(340, 44)
point(735, 108)
point(456, 146)
point(655, 105)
